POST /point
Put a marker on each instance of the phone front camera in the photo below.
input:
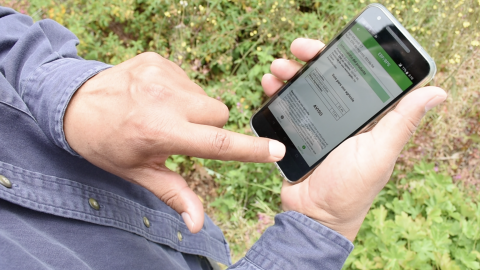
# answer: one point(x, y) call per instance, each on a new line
point(379, 18)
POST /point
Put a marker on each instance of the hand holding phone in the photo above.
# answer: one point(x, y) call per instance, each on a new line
point(343, 91)
point(340, 191)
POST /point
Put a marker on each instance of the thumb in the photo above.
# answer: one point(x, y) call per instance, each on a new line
point(396, 128)
point(172, 189)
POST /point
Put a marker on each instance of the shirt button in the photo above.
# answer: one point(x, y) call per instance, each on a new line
point(179, 235)
point(94, 204)
point(5, 182)
point(146, 222)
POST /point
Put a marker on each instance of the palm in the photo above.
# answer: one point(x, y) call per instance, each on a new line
point(353, 171)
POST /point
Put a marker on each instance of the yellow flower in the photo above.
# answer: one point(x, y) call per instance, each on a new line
point(283, 19)
point(188, 49)
point(259, 48)
point(251, 34)
point(460, 14)
point(443, 15)
point(192, 24)
point(167, 14)
point(437, 44)
point(264, 20)
point(201, 8)
point(255, 32)
point(345, 17)
point(292, 2)
point(434, 6)
point(457, 32)
point(414, 29)
point(258, 23)
point(475, 43)
point(466, 24)
point(416, 9)
point(184, 44)
point(362, 1)
point(451, 61)
point(470, 10)
point(243, 99)
point(269, 35)
point(246, 106)
point(180, 57)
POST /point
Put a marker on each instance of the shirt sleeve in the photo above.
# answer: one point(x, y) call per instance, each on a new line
point(296, 242)
point(39, 60)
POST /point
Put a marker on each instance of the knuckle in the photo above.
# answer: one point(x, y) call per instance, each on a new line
point(220, 142)
point(257, 148)
point(170, 198)
point(149, 70)
point(150, 57)
point(410, 125)
point(158, 92)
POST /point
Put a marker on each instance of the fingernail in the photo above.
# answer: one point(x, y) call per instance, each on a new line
point(277, 149)
point(434, 102)
point(188, 220)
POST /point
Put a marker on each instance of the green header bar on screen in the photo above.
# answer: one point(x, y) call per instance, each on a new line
point(367, 76)
point(381, 56)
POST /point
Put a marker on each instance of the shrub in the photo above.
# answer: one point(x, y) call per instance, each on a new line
point(425, 223)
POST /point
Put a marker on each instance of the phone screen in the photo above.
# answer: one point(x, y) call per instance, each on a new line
point(369, 66)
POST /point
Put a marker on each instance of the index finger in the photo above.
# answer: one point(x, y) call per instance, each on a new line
point(205, 141)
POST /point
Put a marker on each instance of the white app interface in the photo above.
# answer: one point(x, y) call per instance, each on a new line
point(344, 88)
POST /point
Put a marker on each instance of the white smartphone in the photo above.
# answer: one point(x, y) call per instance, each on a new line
point(343, 91)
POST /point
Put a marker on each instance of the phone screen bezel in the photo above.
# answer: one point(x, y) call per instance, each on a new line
point(418, 62)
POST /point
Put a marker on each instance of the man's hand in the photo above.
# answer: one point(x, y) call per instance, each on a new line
point(129, 119)
point(340, 191)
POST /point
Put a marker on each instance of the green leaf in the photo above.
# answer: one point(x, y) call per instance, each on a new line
point(468, 259)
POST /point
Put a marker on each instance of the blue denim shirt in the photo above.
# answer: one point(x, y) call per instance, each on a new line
point(58, 211)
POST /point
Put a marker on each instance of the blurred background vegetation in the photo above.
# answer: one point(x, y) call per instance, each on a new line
point(428, 216)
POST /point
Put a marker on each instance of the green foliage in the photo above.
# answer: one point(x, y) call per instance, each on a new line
point(428, 223)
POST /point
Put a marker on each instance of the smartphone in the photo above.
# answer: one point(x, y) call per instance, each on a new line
point(343, 91)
